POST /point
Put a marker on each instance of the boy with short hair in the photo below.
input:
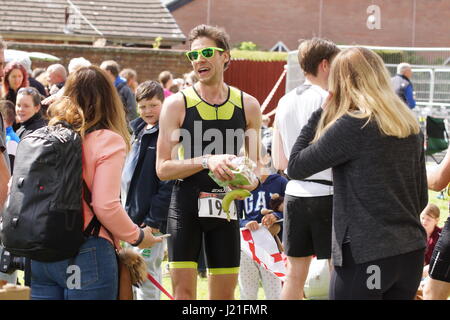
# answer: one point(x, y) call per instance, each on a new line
point(7, 108)
point(144, 196)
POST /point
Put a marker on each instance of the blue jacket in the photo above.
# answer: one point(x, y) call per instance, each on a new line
point(260, 198)
point(145, 198)
point(404, 89)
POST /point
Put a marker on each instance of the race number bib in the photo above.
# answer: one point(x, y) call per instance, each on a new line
point(210, 206)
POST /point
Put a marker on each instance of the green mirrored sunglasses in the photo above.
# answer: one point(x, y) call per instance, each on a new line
point(205, 52)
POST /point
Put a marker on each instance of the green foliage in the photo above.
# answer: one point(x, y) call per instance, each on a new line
point(391, 56)
point(157, 42)
point(248, 46)
point(414, 58)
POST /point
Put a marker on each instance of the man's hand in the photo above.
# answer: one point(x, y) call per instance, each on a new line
point(221, 166)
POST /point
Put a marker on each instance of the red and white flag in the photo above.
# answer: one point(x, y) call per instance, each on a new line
point(261, 246)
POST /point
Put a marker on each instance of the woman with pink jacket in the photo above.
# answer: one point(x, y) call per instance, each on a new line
point(92, 106)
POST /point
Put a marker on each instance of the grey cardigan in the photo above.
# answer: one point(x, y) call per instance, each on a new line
point(380, 186)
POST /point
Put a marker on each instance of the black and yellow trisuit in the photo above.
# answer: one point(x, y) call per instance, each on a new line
point(206, 129)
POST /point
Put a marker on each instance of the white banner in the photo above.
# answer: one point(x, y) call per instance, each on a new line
point(262, 248)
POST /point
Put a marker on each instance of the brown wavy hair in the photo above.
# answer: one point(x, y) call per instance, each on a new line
point(90, 101)
point(8, 69)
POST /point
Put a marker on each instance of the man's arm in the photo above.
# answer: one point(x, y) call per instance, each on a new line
point(252, 111)
point(170, 120)
point(337, 145)
point(252, 142)
point(439, 178)
point(280, 162)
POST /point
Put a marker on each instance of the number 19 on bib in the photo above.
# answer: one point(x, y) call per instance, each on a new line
point(210, 206)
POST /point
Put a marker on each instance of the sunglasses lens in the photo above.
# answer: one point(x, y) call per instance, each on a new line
point(208, 52)
point(192, 55)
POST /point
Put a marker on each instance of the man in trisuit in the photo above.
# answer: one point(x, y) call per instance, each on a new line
point(212, 123)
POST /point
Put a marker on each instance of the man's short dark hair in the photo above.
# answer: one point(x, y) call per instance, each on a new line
point(112, 66)
point(312, 52)
point(218, 35)
point(148, 90)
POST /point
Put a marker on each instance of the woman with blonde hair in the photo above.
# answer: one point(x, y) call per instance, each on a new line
point(373, 144)
point(93, 108)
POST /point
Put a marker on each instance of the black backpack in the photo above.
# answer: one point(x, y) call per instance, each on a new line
point(43, 217)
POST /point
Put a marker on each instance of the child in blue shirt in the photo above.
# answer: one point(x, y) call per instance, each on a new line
point(146, 198)
point(8, 111)
point(250, 272)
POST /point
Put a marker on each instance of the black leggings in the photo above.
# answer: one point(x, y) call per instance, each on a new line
point(393, 278)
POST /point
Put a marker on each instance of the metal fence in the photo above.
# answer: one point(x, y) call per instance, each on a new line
point(431, 78)
point(431, 74)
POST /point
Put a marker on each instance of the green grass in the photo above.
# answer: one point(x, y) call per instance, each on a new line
point(202, 287)
point(202, 284)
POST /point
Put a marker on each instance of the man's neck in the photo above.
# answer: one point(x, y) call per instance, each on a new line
point(212, 93)
point(318, 81)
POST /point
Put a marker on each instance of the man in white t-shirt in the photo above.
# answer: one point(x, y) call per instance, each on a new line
point(308, 203)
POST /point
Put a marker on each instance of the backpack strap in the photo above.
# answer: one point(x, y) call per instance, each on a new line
point(94, 226)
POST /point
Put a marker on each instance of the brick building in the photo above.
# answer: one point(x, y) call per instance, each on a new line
point(406, 23)
point(147, 62)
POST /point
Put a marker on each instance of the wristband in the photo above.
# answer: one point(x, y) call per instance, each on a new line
point(139, 240)
point(205, 162)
